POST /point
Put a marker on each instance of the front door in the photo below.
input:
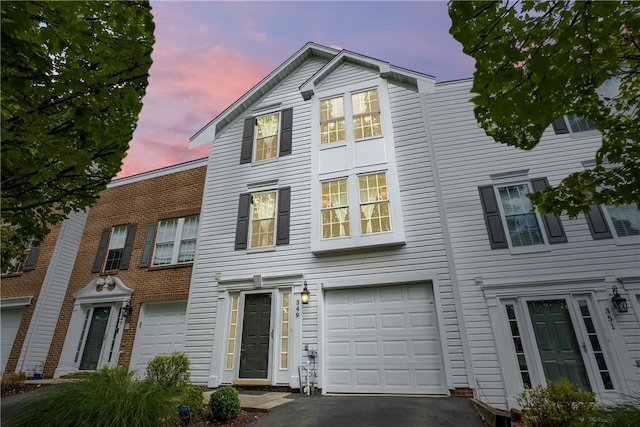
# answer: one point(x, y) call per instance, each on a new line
point(256, 328)
point(95, 338)
point(557, 344)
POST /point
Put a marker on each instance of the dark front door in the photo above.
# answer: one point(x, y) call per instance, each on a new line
point(95, 338)
point(557, 343)
point(256, 325)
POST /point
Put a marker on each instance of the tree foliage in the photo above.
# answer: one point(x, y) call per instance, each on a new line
point(539, 60)
point(73, 78)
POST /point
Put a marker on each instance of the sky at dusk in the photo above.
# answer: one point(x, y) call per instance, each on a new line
point(209, 53)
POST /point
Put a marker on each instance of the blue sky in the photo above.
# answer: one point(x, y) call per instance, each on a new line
point(209, 53)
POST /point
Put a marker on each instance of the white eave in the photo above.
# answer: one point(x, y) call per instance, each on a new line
point(208, 133)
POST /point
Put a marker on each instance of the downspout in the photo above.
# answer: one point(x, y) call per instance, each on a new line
point(457, 299)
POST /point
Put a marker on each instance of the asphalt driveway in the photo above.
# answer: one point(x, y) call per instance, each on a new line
point(372, 411)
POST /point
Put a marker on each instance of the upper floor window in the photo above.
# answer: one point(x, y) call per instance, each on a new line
point(362, 111)
point(573, 125)
point(335, 209)
point(176, 240)
point(25, 261)
point(507, 207)
point(625, 219)
point(114, 249)
point(374, 203)
point(267, 136)
point(263, 219)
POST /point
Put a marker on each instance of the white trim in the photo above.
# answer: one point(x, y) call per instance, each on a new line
point(15, 302)
point(193, 164)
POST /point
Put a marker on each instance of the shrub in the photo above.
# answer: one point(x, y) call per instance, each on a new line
point(170, 370)
point(556, 405)
point(13, 380)
point(107, 397)
point(224, 403)
point(191, 395)
point(626, 413)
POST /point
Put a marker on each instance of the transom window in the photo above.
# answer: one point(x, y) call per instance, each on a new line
point(364, 114)
point(335, 209)
point(176, 240)
point(374, 204)
point(522, 225)
point(625, 219)
point(267, 129)
point(263, 219)
point(116, 247)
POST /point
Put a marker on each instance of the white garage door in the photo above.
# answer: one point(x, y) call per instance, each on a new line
point(10, 322)
point(383, 340)
point(161, 330)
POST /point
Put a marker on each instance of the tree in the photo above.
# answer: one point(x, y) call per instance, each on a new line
point(539, 60)
point(73, 78)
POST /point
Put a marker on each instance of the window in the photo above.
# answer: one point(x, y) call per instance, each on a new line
point(625, 219)
point(575, 125)
point(518, 345)
point(507, 207)
point(284, 340)
point(522, 225)
point(114, 250)
point(263, 219)
point(335, 209)
point(25, 261)
point(176, 241)
point(374, 204)
point(365, 117)
point(267, 136)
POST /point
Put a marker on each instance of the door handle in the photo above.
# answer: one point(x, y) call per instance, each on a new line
point(584, 346)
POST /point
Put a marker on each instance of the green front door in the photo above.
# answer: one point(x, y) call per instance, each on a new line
point(95, 338)
point(557, 343)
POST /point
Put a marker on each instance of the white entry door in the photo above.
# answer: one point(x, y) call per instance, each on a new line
point(161, 330)
point(383, 340)
point(10, 322)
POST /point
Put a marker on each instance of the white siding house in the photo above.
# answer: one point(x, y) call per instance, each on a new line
point(321, 177)
point(536, 290)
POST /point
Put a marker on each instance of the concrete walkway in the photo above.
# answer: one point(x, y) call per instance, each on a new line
point(258, 401)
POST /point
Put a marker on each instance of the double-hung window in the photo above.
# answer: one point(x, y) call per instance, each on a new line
point(335, 209)
point(573, 125)
point(363, 113)
point(625, 219)
point(263, 219)
point(115, 247)
point(374, 204)
point(509, 218)
point(176, 241)
point(267, 136)
point(25, 261)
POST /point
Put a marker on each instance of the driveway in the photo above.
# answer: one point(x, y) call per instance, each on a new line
point(372, 411)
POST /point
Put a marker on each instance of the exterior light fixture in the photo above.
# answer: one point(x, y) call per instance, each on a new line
point(619, 302)
point(305, 295)
point(127, 309)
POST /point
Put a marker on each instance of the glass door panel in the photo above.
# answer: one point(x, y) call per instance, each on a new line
point(95, 338)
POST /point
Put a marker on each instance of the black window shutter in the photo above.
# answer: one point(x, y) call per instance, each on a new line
point(148, 242)
point(32, 259)
point(492, 219)
point(246, 151)
point(598, 224)
point(284, 210)
point(286, 133)
point(242, 226)
point(128, 246)
point(560, 126)
point(552, 223)
point(102, 249)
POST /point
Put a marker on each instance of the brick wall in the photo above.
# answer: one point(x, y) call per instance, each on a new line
point(142, 202)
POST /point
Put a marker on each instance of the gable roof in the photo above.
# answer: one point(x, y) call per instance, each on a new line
point(422, 82)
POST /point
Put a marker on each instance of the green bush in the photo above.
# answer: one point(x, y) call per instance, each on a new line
point(224, 403)
point(625, 413)
point(13, 379)
point(191, 395)
point(170, 370)
point(556, 405)
point(107, 397)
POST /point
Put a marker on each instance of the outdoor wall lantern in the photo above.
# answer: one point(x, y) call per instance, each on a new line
point(305, 295)
point(619, 302)
point(127, 309)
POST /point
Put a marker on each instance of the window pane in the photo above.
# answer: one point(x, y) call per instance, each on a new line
point(523, 226)
point(335, 209)
point(332, 120)
point(118, 237)
point(580, 125)
point(374, 205)
point(625, 219)
point(366, 114)
point(263, 219)
point(267, 128)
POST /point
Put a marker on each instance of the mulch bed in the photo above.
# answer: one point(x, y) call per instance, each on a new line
point(23, 388)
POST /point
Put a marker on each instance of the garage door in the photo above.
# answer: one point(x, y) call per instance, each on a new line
point(383, 340)
point(161, 330)
point(10, 322)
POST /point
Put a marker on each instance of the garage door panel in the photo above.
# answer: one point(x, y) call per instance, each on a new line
point(10, 319)
point(385, 340)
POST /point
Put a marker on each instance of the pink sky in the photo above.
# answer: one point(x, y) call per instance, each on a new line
point(209, 53)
